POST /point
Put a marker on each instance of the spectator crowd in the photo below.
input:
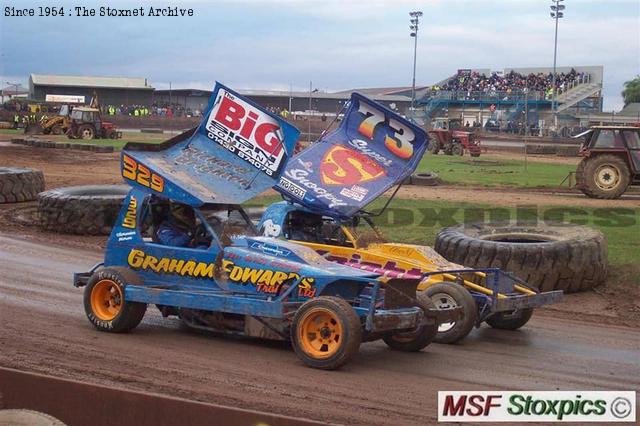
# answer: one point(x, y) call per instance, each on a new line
point(473, 81)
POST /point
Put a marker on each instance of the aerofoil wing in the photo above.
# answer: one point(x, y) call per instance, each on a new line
point(238, 151)
point(372, 150)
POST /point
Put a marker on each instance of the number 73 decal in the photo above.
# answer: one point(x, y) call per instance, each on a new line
point(141, 174)
point(400, 142)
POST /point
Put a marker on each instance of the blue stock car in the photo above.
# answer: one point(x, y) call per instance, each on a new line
point(227, 278)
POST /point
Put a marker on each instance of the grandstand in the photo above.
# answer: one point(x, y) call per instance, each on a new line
point(514, 96)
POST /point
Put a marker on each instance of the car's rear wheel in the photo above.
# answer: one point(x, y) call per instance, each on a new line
point(416, 340)
point(453, 295)
point(105, 303)
point(326, 332)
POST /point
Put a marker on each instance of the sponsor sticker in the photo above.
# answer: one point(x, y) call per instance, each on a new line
point(247, 132)
point(293, 189)
point(355, 192)
point(536, 406)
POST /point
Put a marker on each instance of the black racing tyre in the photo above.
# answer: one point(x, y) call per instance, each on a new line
point(326, 332)
point(457, 149)
point(451, 295)
point(20, 184)
point(425, 179)
point(83, 210)
point(510, 320)
point(104, 301)
point(419, 339)
point(549, 257)
point(603, 176)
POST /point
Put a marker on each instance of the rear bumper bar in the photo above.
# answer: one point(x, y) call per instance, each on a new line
point(524, 301)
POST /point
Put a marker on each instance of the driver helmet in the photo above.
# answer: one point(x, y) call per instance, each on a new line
point(183, 215)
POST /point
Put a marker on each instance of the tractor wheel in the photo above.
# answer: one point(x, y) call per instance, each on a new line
point(57, 130)
point(457, 149)
point(434, 147)
point(603, 176)
point(475, 154)
point(104, 301)
point(83, 210)
point(452, 295)
point(86, 132)
point(20, 184)
point(112, 134)
point(510, 320)
point(564, 257)
point(417, 340)
point(326, 332)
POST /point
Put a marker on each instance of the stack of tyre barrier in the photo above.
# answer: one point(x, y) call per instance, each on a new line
point(549, 257)
point(83, 210)
point(20, 184)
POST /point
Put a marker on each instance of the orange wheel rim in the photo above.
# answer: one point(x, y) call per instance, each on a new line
point(106, 300)
point(320, 333)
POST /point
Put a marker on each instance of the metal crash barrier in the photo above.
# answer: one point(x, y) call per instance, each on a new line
point(77, 403)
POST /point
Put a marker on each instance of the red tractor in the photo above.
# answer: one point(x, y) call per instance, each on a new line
point(85, 123)
point(448, 136)
point(611, 161)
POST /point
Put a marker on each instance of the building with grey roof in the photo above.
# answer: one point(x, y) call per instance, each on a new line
point(110, 90)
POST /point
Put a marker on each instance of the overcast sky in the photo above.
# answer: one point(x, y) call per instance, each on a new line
point(338, 44)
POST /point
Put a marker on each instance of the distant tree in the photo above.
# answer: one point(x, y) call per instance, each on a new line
point(631, 92)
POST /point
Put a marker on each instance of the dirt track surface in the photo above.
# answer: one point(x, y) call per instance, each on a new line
point(44, 330)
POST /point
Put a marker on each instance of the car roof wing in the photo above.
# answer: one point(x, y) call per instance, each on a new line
point(372, 150)
point(238, 151)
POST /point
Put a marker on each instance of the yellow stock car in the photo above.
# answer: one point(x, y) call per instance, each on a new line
point(488, 294)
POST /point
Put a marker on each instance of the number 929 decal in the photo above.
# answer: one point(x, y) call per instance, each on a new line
point(141, 174)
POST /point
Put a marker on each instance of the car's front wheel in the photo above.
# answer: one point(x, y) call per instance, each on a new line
point(326, 332)
point(105, 303)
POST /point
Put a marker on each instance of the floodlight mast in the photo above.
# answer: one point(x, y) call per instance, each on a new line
point(556, 13)
point(414, 21)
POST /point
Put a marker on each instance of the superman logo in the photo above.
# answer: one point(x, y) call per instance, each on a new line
point(344, 166)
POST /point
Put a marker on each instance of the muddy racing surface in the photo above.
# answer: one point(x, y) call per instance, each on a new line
point(45, 330)
point(590, 341)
